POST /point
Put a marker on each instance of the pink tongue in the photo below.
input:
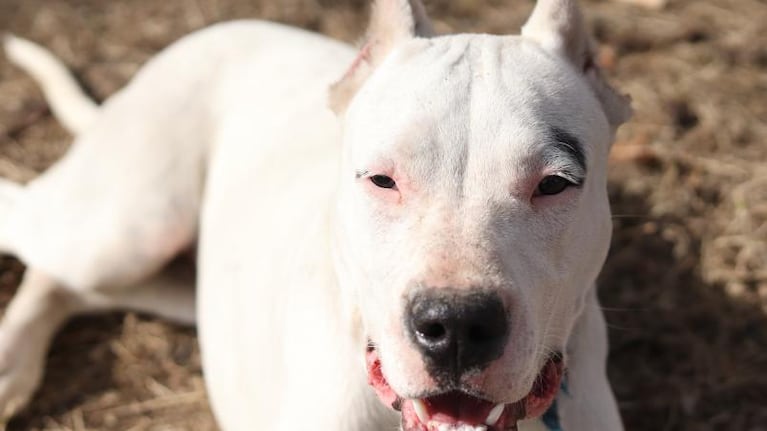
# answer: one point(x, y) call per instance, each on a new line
point(451, 408)
point(458, 408)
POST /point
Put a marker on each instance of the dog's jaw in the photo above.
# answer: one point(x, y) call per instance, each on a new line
point(458, 410)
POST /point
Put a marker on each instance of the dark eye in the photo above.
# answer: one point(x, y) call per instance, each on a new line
point(553, 185)
point(383, 181)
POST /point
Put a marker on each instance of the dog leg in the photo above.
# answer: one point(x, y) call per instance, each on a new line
point(9, 195)
point(36, 312)
point(587, 402)
point(42, 305)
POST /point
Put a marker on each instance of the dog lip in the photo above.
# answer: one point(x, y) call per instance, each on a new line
point(377, 380)
point(434, 409)
point(546, 386)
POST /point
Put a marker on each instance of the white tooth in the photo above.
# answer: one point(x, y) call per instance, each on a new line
point(436, 426)
point(494, 415)
point(420, 411)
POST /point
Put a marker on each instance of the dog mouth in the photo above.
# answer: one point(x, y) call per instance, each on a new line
point(458, 410)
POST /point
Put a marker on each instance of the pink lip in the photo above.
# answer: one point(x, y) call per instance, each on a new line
point(459, 408)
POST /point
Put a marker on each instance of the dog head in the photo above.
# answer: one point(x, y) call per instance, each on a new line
point(473, 213)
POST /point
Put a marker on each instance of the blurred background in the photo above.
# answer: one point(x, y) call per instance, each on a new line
point(684, 288)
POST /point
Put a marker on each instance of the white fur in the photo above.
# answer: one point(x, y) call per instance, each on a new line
point(224, 140)
point(9, 195)
point(69, 103)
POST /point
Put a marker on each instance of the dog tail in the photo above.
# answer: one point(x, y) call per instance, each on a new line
point(69, 103)
point(10, 193)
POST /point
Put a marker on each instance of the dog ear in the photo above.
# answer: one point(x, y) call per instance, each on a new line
point(392, 23)
point(558, 26)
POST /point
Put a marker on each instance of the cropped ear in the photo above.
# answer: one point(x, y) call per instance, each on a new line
point(558, 27)
point(392, 23)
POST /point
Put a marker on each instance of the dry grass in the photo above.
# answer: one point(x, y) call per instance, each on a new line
point(685, 286)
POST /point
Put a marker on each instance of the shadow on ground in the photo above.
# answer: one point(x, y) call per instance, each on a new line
point(79, 366)
point(683, 352)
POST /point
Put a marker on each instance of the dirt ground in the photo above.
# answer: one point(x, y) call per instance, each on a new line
point(684, 288)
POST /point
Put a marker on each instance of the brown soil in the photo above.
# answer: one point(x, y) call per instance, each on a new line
point(685, 286)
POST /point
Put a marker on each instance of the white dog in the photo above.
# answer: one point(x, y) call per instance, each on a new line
point(439, 243)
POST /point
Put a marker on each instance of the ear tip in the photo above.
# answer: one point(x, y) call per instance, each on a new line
point(622, 111)
point(555, 13)
point(403, 17)
point(628, 105)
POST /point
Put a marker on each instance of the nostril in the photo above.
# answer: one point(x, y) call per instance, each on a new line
point(432, 331)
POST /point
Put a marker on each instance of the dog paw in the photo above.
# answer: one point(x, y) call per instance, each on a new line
point(21, 369)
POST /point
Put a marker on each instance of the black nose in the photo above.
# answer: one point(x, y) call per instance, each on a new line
point(457, 331)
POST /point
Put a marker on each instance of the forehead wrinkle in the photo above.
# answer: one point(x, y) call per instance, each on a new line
point(420, 128)
point(526, 107)
point(439, 108)
point(484, 98)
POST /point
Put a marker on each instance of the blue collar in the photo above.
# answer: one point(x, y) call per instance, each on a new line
point(551, 417)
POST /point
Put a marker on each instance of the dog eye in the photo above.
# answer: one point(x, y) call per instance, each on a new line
point(553, 185)
point(383, 181)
